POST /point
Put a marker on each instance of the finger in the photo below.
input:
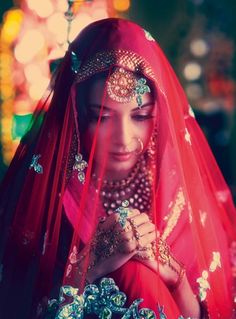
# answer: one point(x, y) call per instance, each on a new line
point(139, 219)
point(146, 228)
point(133, 212)
point(147, 239)
point(128, 226)
point(123, 223)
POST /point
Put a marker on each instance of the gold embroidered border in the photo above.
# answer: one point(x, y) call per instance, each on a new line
point(175, 213)
point(103, 60)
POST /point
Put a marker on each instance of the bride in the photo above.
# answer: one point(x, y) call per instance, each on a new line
point(115, 179)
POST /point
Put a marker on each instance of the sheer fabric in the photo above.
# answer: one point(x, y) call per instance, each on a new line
point(45, 215)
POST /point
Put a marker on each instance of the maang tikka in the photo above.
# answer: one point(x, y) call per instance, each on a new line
point(122, 86)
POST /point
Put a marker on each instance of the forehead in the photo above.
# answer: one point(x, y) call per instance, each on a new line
point(98, 95)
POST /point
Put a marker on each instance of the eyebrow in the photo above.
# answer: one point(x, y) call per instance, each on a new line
point(106, 108)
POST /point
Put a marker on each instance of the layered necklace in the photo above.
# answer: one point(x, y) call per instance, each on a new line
point(136, 188)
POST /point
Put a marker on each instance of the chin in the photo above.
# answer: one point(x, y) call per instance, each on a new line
point(120, 170)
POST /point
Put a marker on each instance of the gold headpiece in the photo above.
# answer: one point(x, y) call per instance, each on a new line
point(104, 60)
point(122, 86)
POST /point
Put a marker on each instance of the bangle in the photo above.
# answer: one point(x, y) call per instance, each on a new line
point(179, 280)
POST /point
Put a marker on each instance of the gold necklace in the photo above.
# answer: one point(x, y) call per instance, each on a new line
point(136, 188)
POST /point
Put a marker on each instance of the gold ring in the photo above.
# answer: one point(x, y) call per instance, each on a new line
point(132, 222)
point(137, 235)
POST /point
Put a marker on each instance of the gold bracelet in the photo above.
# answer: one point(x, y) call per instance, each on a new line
point(163, 252)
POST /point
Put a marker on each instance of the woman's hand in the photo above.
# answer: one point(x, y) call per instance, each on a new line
point(114, 245)
point(173, 275)
point(159, 258)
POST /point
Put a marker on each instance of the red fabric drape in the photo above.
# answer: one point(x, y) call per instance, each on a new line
point(192, 208)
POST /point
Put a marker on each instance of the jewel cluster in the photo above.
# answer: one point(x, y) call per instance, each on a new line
point(102, 300)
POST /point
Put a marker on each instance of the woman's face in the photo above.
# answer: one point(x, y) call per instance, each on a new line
point(121, 131)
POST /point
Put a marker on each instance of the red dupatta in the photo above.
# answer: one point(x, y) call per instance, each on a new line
point(193, 208)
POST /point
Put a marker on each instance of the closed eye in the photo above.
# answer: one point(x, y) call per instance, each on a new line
point(142, 117)
point(94, 116)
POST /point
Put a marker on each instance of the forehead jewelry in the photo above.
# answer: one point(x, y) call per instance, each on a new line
point(122, 86)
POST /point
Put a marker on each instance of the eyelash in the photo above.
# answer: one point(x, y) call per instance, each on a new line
point(141, 118)
point(137, 117)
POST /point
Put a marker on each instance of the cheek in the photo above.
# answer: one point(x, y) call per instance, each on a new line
point(145, 132)
point(88, 138)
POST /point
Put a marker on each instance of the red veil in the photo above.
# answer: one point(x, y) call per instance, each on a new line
point(46, 212)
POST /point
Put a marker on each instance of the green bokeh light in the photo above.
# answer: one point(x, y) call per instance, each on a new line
point(20, 125)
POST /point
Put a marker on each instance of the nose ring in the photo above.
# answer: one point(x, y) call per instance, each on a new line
point(140, 146)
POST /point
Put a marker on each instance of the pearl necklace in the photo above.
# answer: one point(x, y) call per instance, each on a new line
point(136, 188)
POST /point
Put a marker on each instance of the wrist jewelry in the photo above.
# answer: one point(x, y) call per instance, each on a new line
point(163, 252)
point(165, 257)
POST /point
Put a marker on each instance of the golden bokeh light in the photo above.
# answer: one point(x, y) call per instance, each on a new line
point(121, 5)
point(11, 26)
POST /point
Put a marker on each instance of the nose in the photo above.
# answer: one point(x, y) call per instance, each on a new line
point(122, 133)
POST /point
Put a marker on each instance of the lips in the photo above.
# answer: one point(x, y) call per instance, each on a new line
point(121, 156)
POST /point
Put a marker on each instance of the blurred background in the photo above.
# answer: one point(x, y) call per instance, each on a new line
point(198, 37)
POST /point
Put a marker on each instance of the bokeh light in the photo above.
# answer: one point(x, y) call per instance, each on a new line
point(43, 8)
point(20, 124)
point(57, 24)
point(121, 5)
point(100, 13)
point(199, 47)
point(33, 73)
point(194, 91)
point(81, 21)
point(34, 37)
point(192, 71)
point(22, 105)
point(36, 90)
point(11, 27)
point(29, 45)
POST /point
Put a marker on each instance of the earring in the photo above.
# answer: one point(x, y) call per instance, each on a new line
point(79, 166)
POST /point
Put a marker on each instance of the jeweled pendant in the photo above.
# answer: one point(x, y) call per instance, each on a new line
point(35, 165)
point(80, 166)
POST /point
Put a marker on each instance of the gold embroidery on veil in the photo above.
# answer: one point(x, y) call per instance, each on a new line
point(176, 208)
